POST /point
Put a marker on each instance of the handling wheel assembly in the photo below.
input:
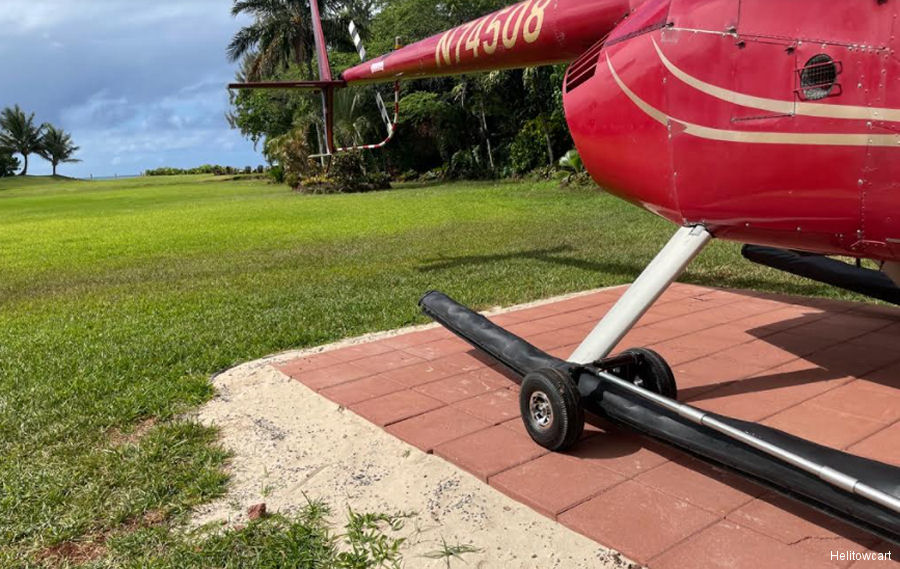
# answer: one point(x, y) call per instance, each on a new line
point(644, 368)
point(550, 400)
point(551, 409)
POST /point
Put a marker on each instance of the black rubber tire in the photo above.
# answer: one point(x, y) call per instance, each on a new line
point(567, 421)
point(654, 374)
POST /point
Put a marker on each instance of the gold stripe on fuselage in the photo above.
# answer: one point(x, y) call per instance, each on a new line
point(750, 137)
point(799, 108)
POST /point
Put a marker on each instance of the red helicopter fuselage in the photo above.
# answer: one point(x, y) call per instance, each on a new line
point(772, 122)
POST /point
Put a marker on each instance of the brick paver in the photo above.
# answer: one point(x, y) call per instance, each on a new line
point(637, 520)
point(436, 427)
point(554, 483)
point(490, 451)
point(495, 407)
point(818, 368)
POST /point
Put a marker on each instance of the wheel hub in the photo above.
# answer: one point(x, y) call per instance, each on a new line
point(541, 410)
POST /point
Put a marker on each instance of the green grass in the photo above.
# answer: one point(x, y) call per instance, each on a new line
point(307, 540)
point(119, 299)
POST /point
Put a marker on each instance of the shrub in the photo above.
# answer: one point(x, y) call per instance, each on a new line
point(468, 165)
point(581, 179)
point(546, 173)
point(408, 176)
point(577, 175)
point(291, 152)
point(277, 174)
point(318, 184)
point(435, 175)
point(348, 174)
point(529, 149)
point(572, 161)
point(351, 175)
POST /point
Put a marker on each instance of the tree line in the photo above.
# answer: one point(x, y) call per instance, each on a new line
point(206, 169)
point(19, 134)
point(496, 124)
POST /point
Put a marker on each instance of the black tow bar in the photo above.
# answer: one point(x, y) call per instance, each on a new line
point(636, 389)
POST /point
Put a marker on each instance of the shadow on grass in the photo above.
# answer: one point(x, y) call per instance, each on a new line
point(553, 255)
point(416, 185)
point(558, 256)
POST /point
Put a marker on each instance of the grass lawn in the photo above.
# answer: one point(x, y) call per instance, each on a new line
point(119, 299)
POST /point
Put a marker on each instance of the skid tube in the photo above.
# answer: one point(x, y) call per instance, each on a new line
point(862, 492)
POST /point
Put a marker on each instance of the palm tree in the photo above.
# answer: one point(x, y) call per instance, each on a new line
point(281, 32)
point(19, 134)
point(481, 90)
point(57, 147)
point(280, 35)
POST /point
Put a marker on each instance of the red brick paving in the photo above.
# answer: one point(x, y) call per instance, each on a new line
point(495, 407)
point(702, 485)
point(731, 546)
point(436, 350)
point(624, 453)
point(323, 378)
point(637, 520)
point(824, 426)
point(465, 386)
point(490, 451)
point(360, 351)
point(823, 369)
point(396, 407)
point(791, 523)
point(554, 483)
point(347, 394)
point(426, 372)
point(883, 446)
point(436, 427)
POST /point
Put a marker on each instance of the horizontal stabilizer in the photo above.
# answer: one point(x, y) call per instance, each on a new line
point(300, 85)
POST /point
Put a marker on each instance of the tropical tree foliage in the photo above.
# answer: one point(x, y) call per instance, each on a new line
point(488, 125)
point(19, 133)
point(9, 164)
point(57, 147)
point(279, 36)
point(281, 33)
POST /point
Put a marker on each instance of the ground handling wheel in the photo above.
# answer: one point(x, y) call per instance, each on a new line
point(551, 409)
point(647, 369)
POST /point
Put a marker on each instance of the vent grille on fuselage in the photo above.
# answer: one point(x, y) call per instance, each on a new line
point(584, 67)
point(818, 78)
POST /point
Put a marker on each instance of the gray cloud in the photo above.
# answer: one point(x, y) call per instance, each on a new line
point(139, 85)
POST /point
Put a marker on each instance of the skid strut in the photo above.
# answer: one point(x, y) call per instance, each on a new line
point(684, 247)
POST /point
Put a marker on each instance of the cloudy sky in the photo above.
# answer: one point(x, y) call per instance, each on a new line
point(138, 84)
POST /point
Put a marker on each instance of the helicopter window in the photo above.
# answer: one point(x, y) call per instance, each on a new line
point(818, 78)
